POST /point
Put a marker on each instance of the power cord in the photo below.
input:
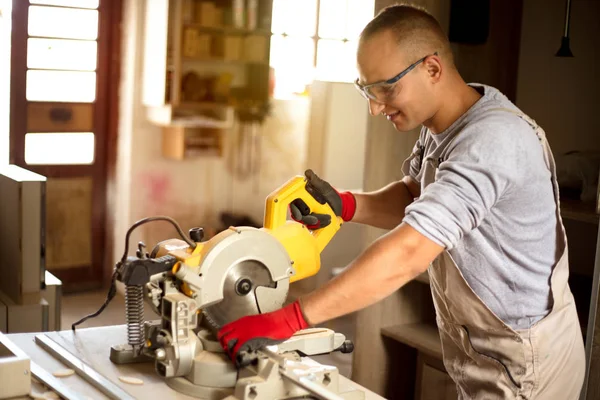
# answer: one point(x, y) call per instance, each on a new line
point(112, 291)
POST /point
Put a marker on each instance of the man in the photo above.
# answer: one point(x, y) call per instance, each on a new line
point(477, 208)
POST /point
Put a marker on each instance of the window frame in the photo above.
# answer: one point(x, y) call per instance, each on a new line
point(316, 39)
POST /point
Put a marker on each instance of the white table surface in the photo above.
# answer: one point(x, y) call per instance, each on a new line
point(92, 345)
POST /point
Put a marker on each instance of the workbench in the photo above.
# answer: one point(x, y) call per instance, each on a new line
point(92, 346)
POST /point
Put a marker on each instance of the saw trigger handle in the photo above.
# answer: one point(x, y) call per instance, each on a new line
point(278, 202)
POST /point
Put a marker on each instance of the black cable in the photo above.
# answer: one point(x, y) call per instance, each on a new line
point(112, 290)
point(111, 293)
point(158, 218)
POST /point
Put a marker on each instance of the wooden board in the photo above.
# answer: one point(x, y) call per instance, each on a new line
point(60, 117)
point(423, 337)
point(69, 219)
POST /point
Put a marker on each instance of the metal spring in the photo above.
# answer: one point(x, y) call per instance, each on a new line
point(134, 314)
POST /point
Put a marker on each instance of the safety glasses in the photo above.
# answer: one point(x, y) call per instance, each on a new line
point(383, 91)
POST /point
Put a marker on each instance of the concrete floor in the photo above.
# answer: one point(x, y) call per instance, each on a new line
point(76, 306)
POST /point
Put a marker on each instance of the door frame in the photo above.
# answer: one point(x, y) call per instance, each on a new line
point(106, 117)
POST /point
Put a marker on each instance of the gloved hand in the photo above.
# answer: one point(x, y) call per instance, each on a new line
point(250, 333)
point(343, 204)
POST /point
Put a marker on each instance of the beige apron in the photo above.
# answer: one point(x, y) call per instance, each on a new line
point(486, 358)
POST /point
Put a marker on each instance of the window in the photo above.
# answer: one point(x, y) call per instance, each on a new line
point(315, 39)
point(62, 57)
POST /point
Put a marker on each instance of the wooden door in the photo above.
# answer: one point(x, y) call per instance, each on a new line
point(63, 123)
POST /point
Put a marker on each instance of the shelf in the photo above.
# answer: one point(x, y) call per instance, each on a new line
point(423, 337)
point(220, 60)
point(200, 122)
point(169, 116)
point(579, 211)
point(204, 105)
point(228, 29)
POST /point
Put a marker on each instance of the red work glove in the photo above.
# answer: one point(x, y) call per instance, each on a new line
point(343, 204)
point(242, 337)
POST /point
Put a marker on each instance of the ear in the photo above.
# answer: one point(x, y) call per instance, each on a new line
point(433, 65)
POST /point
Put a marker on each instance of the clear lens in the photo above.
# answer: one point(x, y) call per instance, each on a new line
point(381, 93)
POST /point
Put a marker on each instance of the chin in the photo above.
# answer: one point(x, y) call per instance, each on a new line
point(404, 125)
point(401, 123)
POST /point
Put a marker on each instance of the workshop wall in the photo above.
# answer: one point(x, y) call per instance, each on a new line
point(561, 94)
point(194, 192)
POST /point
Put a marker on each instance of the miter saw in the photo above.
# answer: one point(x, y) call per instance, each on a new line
point(198, 286)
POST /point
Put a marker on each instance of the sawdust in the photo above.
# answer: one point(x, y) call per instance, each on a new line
point(61, 373)
point(131, 380)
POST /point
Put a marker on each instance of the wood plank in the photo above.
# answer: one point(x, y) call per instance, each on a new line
point(423, 337)
point(18, 73)
point(69, 222)
point(113, 90)
point(227, 29)
point(176, 42)
point(60, 117)
point(173, 142)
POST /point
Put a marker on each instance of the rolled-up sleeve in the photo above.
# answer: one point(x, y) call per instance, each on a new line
point(477, 172)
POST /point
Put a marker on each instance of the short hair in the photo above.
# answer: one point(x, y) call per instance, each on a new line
point(416, 30)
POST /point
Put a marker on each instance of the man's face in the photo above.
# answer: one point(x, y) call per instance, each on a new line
point(406, 103)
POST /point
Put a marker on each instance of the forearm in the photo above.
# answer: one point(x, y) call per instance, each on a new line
point(389, 263)
point(383, 208)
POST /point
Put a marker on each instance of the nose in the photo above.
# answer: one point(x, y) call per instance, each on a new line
point(375, 108)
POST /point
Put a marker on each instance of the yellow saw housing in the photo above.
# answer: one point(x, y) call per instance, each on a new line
point(303, 246)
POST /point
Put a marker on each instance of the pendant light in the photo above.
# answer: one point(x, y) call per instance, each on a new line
point(565, 49)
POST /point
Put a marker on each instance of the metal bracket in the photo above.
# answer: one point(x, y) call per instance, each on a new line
point(82, 369)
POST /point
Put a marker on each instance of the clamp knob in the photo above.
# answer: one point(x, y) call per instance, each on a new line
point(196, 234)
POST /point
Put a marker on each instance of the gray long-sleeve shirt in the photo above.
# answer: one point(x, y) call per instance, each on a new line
point(492, 207)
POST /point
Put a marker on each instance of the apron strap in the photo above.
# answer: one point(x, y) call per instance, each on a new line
point(539, 133)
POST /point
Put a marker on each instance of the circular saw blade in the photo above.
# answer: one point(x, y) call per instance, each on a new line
point(240, 293)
